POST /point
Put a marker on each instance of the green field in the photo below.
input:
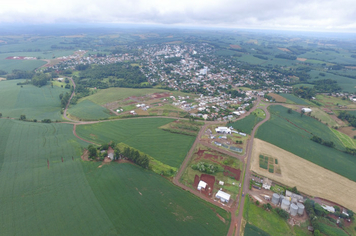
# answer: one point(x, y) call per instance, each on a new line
point(251, 230)
point(246, 124)
point(88, 110)
point(28, 65)
point(285, 135)
point(78, 198)
point(143, 134)
point(294, 99)
point(346, 140)
point(35, 103)
point(323, 116)
point(269, 222)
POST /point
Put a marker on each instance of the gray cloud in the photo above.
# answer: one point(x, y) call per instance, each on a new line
point(271, 14)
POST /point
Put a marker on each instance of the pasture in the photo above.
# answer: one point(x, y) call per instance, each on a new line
point(308, 177)
point(294, 136)
point(323, 116)
point(143, 134)
point(246, 124)
point(268, 222)
point(291, 98)
point(346, 140)
point(88, 110)
point(35, 103)
point(78, 198)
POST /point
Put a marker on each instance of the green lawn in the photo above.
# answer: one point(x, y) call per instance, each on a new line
point(144, 135)
point(35, 103)
point(285, 135)
point(251, 230)
point(246, 124)
point(260, 113)
point(88, 110)
point(269, 222)
point(78, 198)
point(294, 99)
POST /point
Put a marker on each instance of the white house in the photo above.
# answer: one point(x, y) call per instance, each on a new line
point(236, 113)
point(267, 183)
point(224, 197)
point(223, 130)
point(306, 110)
point(201, 185)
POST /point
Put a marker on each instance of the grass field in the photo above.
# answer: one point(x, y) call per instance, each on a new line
point(78, 198)
point(28, 65)
point(292, 98)
point(35, 103)
point(251, 230)
point(246, 124)
point(308, 177)
point(324, 117)
point(269, 222)
point(330, 101)
point(88, 110)
point(346, 140)
point(283, 134)
point(144, 135)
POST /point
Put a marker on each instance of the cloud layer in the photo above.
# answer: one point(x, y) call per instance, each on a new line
point(272, 14)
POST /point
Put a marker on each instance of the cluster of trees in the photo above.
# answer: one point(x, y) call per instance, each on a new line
point(261, 57)
point(286, 56)
point(64, 99)
point(236, 93)
point(344, 115)
point(205, 167)
point(351, 151)
point(136, 157)
point(40, 79)
point(327, 86)
point(323, 142)
point(20, 74)
point(282, 213)
point(304, 92)
point(239, 142)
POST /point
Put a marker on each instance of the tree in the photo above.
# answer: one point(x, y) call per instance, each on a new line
point(317, 232)
point(302, 113)
point(92, 151)
point(289, 110)
point(0, 114)
point(23, 117)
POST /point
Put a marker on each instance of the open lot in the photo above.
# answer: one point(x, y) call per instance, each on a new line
point(278, 97)
point(44, 195)
point(35, 103)
point(144, 135)
point(308, 177)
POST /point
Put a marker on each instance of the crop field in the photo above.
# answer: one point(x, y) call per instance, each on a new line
point(330, 101)
point(277, 97)
point(308, 177)
point(28, 65)
point(88, 110)
point(143, 134)
point(294, 99)
point(72, 197)
point(346, 140)
point(324, 117)
point(35, 103)
point(347, 84)
point(269, 222)
point(246, 124)
point(251, 230)
point(294, 135)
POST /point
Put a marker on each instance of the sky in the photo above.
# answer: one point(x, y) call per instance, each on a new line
point(305, 15)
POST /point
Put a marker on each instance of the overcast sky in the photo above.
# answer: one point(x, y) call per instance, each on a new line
point(318, 15)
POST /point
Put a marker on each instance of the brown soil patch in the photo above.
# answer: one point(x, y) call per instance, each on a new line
point(85, 156)
point(210, 180)
point(160, 95)
point(284, 49)
point(308, 177)
point(277, 97)
point(348, 131)
point(232, 172)
point(1, 79)
point(235, 46)
point(301, 59)
point(220, 217)
point(142, 112)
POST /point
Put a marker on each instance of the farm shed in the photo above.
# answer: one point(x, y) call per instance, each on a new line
point(111, 156)
point(224, 197)
point(201, 185)
point(223, 130)
point(267, 183)
point(306, 110)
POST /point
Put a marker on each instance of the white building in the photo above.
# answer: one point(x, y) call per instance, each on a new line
point(201, 185)
point(223, 130)
point(224, 197)
point(306, 110)
point(267, 183)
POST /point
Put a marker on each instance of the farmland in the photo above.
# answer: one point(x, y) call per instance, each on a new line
point(278, 97)
point(144, 135)
point(291, 98)
point(72, 197)
point(298, 130)
point(246, 124)
point(308, 177)
point(35, 103)
point(346, 140)
point(323, 117)
point(28, 65)
point(88, 110)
